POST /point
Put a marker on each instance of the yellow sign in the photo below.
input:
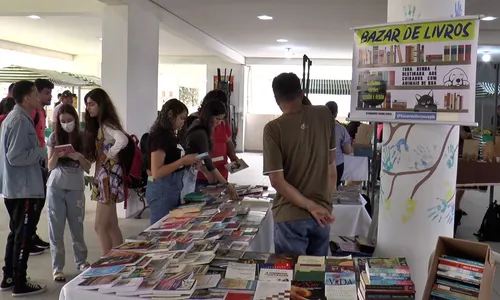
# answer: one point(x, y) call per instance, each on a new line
point(447, 31)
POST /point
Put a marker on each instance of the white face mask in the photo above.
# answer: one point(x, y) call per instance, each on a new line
point(68, 127)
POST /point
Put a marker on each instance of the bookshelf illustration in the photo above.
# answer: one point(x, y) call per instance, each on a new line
point(453, 101)
point(413, 55)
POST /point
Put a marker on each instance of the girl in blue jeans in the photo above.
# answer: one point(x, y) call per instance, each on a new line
point(167, 160)
point(65, 190)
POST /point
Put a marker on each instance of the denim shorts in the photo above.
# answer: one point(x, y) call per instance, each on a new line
point(163, 195)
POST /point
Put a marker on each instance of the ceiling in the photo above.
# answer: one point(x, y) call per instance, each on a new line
point(319, 28)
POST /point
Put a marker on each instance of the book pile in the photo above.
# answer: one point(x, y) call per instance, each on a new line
point(457, 278)
point(385, 278)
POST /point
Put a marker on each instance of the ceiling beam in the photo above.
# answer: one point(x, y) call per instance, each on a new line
point(35, 50)
point(180, 27)
point(297, 61)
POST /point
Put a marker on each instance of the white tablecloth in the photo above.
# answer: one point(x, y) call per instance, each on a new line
point(355, 168)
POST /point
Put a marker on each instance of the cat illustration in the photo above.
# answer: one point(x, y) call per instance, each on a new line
point(425, 102)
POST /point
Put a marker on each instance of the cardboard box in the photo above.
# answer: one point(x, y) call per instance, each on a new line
point(467, 250)
point(364, 135)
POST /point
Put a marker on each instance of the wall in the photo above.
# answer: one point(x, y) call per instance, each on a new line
point(262, 107)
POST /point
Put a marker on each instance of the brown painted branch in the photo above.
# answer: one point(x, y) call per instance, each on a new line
point(392, 187)
point(391, 134)
point(434, 167)
point(408, 132)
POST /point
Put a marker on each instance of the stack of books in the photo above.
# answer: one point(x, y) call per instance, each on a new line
point(457, 278)
point(385, 278)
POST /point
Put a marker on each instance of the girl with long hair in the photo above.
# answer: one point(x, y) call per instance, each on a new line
point(223, 147)
point(65, 190)
point(105, 138)
point(167, 160)
point(199, 140)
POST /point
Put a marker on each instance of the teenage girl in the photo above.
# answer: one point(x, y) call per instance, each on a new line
point(104, 140)
point(65, 190)
point(167, 160)
point(198, 140)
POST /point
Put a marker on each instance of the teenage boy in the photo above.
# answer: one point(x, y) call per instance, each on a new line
point(22, 186)
point(44, 88)
point(299, 157)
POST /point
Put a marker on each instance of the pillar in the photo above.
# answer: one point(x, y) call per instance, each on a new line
point(417, 201)
point(129, 71)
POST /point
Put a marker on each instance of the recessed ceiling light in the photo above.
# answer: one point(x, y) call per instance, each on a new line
point(34, 17)
point(486, 57)
point(282, 40)
point(265, 17)
point(489, 18)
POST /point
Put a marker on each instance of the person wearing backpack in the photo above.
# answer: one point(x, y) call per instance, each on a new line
point(166, 160)
point(104, 139)
point(66, 191)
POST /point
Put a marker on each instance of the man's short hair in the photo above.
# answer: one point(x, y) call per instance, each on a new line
point(11, 87)
point(59, 95)
point(287, 87)
point(22, 89)
point(333, 107)
point(42, 84)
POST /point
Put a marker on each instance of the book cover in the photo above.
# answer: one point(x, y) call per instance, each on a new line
point(124, 260)
point(236, 166)
point(65, 149)
point(135, 246)
point(209, 295)
point(240, 271)
point(238, 296)
point(276, 275)
point(105, 271)
point(256, 256)
point(340, 278)
point(272, 290)
point(311, 290)
point(237, 285)
point(94, 283)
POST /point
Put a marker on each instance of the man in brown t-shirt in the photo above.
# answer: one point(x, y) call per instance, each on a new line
point(299, 158)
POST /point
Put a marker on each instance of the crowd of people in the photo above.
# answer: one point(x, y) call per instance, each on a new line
point(183, 153)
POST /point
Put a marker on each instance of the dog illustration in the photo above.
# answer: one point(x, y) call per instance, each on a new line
point(456, 77)
point(425, 102)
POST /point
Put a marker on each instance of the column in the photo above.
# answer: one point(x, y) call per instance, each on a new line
point(129, 70)
point(417, 206)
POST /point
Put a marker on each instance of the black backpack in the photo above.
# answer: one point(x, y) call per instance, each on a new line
point(489, 230)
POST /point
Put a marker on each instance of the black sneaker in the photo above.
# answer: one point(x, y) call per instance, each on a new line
point(37, 241)
point(35, 250)
point(28, 289)
point(7, 284)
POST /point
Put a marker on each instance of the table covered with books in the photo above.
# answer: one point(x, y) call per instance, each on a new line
point(187, 252)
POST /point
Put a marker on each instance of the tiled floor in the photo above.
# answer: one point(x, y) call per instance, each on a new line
point(40, 266)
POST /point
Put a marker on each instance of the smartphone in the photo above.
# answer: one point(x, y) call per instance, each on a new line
point(202, 155)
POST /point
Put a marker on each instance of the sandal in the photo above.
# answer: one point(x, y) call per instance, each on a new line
point(59, 276)
point(83, 267)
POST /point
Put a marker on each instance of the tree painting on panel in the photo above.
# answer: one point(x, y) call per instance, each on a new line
point(423, 163)
point(189, 96)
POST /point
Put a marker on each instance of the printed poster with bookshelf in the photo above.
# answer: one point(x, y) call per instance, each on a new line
point(416, 72)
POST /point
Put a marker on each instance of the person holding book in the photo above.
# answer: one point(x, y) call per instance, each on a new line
point(223, 147)
point(21, 184)
point(299, 158)
point(198, 140)
point(104, 139)
point(65, 190)
point(166, 160)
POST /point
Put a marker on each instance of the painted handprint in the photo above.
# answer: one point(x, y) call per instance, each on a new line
point(443, 211)
point(389, 159)
point(459, 10)
point(450, 155)
point(411, 12)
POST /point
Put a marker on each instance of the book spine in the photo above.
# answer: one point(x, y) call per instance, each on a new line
point(375, 55)
point(458, 284)
point(446, 53)
point(462, 261)
point(454, 52)
point(389, 296)
point(400, 55)
point(443, 296)
point(468, 52)
point(388, 276)
point(460, 277)
point(461, 53)
point(391, 282)
point(456, 270)
point(390, 287)
point(456, 290)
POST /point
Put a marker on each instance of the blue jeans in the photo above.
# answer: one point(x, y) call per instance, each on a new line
point(163, 195)
point(302, 237)
point(65, 205)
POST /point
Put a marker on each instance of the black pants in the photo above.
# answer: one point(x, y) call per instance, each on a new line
point(340, 172)
point(41, 203)
point(22, 226)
